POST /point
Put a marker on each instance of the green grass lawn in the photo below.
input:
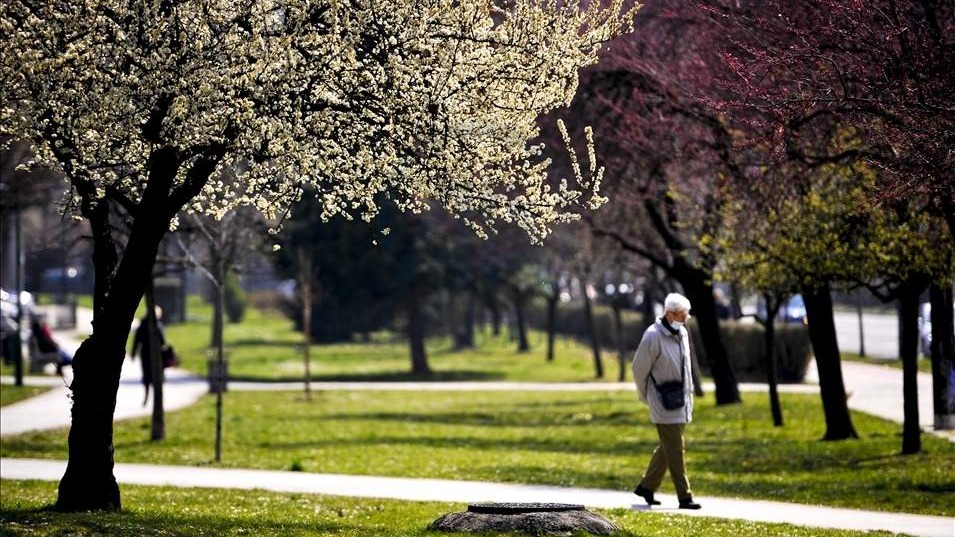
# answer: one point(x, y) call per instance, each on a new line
point(188, 512)
point(266, 347)
point(924, 364)
point(585, 439)
point(10, 394)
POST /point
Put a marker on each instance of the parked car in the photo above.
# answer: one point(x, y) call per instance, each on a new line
point(925, 329)
point(8, 302)
point(8, 324)
point(794, 311)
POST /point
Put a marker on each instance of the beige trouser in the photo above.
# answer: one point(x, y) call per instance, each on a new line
point(668, 454)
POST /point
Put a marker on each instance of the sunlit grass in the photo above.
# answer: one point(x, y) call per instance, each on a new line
point(10, 394)
point(193, 512)
point(265, 346)
point(584, 439)
point(924, 364)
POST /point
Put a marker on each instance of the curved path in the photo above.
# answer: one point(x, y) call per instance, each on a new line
point(873, 389)
point(477, 491)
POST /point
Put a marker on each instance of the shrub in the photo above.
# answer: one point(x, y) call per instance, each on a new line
point(744, 341)
point(745, 347)
point(235, 300)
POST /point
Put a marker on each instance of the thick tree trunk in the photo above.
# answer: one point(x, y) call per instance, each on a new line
point(700, 293)
point(551, 324)
point(909, 351)
point(88, 483)
point(943, 356)
point(822, 335)
point(419, 357)
point(594, 341)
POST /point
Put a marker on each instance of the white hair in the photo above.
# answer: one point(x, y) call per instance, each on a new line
point(676, 302)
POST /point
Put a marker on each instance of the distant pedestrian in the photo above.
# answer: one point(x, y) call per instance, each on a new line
point(141, 347)
point(662, 372)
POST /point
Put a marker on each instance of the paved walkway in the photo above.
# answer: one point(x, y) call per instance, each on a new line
point(873, 389)
point(475, 491)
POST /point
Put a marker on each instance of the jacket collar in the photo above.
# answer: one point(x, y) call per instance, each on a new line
point(666, 324)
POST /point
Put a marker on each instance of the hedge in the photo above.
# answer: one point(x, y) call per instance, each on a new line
point(744, 341)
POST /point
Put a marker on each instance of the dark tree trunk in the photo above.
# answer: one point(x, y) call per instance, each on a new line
point(700, 293)
point(463, 331)
point(158, 421)
point(943, 356)
point(495, 310)
point(305, 281)
point(621, 347)
point(221, 377)
point(419, 357)
point(520, 301)
point(822, 335)
point(88, 483)
point(218, 315)
point(646, 309)
point(551, 324)
point(909, 351)
point(594, 341)
point(772, 377)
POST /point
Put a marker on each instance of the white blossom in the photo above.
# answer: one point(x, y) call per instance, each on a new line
point(420, 101)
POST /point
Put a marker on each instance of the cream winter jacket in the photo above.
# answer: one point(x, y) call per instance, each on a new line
point(660, 352)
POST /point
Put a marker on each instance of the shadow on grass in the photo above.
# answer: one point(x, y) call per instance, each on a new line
point(471, 443)
point(396, 376)
point(507, 418)
point(46, 521)
point(261, 342)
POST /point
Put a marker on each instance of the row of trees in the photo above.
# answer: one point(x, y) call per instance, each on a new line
point(143, 107)
point(788, 148)
point(716, 119)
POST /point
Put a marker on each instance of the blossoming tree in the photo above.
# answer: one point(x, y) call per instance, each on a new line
point(142, 104)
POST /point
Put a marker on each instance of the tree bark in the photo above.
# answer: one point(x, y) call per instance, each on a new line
point(463, 331)
point(594, 341)
point(221, 377)
point(305, 281)
point(551, 324)
point(88, 483)
point(495, 310)
point(822, 335)
point(943, 355)
point(621, 352)
point(700, 293)
point(158, 421)
point(909, 351)
point(419, 356)
point(772, 377)
point(521, 318)
point(218, 315)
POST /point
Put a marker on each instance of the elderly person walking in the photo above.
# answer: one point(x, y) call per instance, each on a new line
point(661, 369)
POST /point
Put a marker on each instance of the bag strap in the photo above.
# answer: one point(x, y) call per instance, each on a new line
point(682, 367)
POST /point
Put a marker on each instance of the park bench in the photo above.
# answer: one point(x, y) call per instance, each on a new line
point(38, 358)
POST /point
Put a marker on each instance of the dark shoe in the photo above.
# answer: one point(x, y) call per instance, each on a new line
point(689, 504)
point(646, 494)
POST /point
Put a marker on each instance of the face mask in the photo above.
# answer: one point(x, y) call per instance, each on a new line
point(676, 325)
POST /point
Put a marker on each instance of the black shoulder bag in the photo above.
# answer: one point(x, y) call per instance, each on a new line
point(671, 392)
